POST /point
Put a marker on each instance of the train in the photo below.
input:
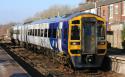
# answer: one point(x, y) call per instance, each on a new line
point(80, 37)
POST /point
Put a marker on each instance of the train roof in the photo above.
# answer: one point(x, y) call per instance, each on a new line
point(58, 19)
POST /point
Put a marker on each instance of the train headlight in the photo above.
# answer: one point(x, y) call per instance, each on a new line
point(90, 59)
point(75, 43)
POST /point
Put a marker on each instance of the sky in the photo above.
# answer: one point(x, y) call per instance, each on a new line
point(19, 10)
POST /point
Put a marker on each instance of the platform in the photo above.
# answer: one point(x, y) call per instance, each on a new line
point(118, 63)
point(9, 67)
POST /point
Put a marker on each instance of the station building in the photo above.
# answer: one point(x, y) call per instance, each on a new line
point(114, 13)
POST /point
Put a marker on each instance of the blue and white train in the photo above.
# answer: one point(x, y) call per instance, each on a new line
point(81, 36)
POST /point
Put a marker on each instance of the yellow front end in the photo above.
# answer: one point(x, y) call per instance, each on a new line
point(76, 49)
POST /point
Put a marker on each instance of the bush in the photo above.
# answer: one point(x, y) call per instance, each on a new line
point(123, 44)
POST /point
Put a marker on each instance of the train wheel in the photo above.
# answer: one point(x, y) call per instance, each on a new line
point(13, 41)
point(70, 66)
point(42, 50)
point(29, 46)
point(18, 42)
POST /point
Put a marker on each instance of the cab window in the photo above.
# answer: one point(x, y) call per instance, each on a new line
point(101, 30)
point(75, 33)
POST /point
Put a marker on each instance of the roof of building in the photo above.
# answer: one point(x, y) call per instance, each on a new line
point(90, 5)
point(108, 2)
point(86, 6)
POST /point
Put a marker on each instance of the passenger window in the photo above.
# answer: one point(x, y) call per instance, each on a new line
point(45, 33)
point(41, 32)
point(14, 31)
point(18, 32)
point(38, 32)
point(49, 32)
point(28, 32)
point(35, 32)
point(31, 31)
point(75, 33)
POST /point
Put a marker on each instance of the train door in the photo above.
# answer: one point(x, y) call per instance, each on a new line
point(17, 33)
point(65, 36)
point(20, 33)
point(89, 35)
point(26, 29)
point(45, 33)
point(53, 36)
point(59, 36)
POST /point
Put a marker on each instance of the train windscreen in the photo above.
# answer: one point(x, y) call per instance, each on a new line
point(89, 35)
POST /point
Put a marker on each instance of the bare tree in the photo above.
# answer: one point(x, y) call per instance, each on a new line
point(56, 10)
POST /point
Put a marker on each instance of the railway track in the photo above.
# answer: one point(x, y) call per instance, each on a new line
point(95, 74)
point(39, 65)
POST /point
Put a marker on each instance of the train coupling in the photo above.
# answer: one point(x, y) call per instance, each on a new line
point(84, 61)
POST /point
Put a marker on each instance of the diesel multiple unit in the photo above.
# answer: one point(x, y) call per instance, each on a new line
point(80, 37)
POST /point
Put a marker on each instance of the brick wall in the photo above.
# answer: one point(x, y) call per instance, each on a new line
point(123, 15)
point(104, 12)
point(117, 17)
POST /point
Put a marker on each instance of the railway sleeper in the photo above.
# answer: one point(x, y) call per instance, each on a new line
point(54, 55)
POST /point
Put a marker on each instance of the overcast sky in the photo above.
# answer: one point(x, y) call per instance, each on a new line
point(18, 10)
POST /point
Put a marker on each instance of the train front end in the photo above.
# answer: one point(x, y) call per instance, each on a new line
point(87, 40)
